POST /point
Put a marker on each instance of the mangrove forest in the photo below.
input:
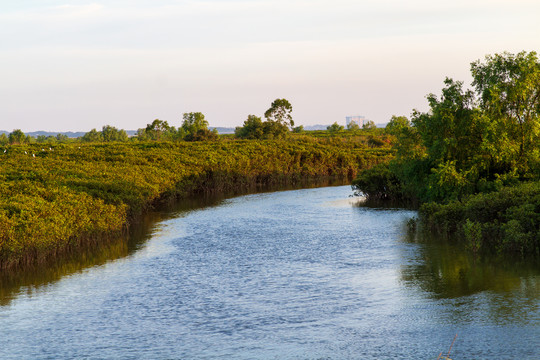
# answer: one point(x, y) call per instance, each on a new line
point(58, 195)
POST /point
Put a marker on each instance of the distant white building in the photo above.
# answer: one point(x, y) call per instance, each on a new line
point(359, 119)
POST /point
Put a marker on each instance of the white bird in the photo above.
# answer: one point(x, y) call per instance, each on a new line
point(25, 153)
point(33, 155)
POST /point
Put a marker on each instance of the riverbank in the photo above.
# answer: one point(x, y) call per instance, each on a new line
point(507, 221)
point(55, 200)
point(305, 266)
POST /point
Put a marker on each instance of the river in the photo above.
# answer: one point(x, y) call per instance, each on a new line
point(302, 274)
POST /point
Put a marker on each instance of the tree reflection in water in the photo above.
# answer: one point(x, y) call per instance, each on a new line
point(498, 289)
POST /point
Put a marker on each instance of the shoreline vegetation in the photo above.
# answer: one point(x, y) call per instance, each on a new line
point(472, 162)
point(63, 196)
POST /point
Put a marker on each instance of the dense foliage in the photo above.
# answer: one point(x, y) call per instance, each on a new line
point(194, 128)
point(255, 128)
point(335, 127)
point(107, 134)
point(280, 112)
point(278, 122)
point(470, 142)
point(507, 221)
point(54, 197)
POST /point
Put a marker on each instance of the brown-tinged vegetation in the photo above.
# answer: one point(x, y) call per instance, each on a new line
point(56, 197)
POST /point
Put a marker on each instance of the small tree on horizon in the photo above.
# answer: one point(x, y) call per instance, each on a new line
point(92, 136)
point(369, 125)
point(17, 137)
point(280, 111)
point(396, 125)
point(110, 133)
point(335, 127)
point(353, 125)
point(158, 130)
point(253, 128)
point(3, 139)
point(62, 138)
point(195, 127)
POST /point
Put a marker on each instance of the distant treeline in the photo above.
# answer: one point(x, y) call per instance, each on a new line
point(55, 197)
point(194, 128)
point(472, 160)
point(278, 124)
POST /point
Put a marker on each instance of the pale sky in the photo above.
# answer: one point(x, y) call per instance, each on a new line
point(74, 65)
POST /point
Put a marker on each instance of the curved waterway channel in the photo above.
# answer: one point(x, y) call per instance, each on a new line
point(302, 274)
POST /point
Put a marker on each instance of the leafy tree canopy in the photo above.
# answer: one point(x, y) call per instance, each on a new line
point(353, 125)
point(62, 138)
point(299, 129)
point(17, 137)
point(193, 122)
point(107, 134)
point(280, 112)
point(396, 125)
point(92, 136)
point(159, 130)
point(46, 139)
point(472, 140)
point(369, 125)
point(110, 133)
point(335, 127)
point(3, 139)
point(509, 89)
point(253, 128)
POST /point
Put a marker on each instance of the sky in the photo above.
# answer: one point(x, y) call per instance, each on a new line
point(74, 65)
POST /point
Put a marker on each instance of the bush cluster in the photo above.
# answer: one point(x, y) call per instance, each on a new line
point(507, 220)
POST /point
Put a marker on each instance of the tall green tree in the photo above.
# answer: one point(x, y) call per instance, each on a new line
point(353, 126)
point(396, 125)
point(3, 139)
point(280, 111)
point(369, 125)
point(452, 135)
point(62, 138)
point(17, 137)
point(194, 122)
point(110, 133)
point(509, 89)
point(158, 130)
point(253, 128)
point(92, 136)
point(335, 127)
point(453, 128)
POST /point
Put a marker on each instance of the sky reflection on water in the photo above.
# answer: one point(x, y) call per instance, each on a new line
point(297, 275)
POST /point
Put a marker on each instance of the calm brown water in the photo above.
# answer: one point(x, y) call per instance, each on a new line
point(301, 274)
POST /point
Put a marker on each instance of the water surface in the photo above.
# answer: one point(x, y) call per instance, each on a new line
point(301, 274)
